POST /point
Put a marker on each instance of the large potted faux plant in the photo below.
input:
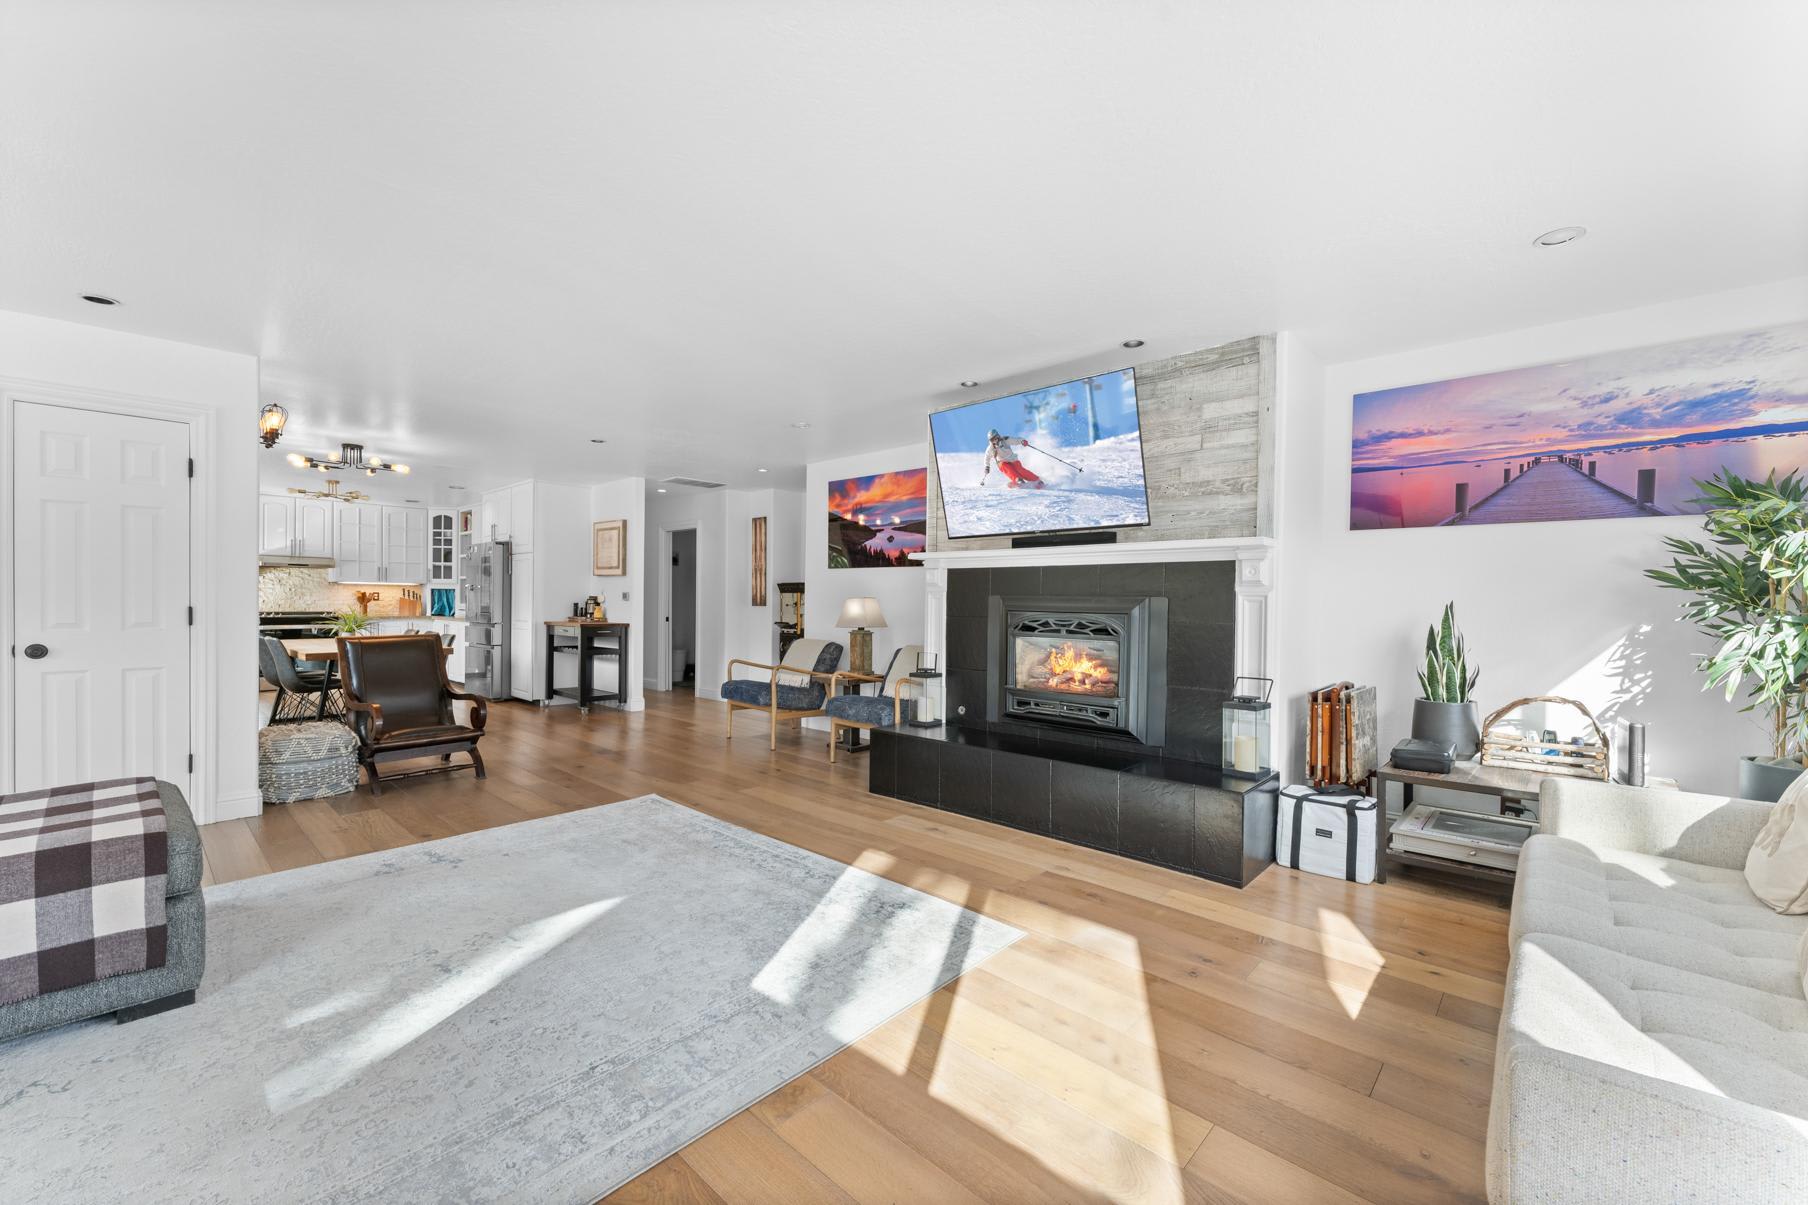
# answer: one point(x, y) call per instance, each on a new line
point(1445, 712)
point(1749, 585)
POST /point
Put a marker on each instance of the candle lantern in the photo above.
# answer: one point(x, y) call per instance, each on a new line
point(928, 701)
point(1246, 719)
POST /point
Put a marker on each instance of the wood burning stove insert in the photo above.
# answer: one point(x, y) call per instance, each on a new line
point(1095, 664)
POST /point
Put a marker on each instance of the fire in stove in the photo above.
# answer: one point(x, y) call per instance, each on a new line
point(1072, 669)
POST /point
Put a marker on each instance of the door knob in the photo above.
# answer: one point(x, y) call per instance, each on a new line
point(36, 651)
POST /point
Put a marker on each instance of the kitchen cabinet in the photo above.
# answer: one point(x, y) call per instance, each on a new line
point(495, 522)
point(275, 525)
point(314, 526)
point(377, 543)
point(291, 525)
point(521, 515)
point(442, 548)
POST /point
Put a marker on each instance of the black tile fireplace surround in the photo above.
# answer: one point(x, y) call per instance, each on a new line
point(1201, 605)
point(1164, 802)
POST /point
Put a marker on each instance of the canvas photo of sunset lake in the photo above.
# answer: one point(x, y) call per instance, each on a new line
point(1615, 435)
point(878, 521)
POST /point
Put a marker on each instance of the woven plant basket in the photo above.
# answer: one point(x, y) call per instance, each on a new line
point(1502, 747)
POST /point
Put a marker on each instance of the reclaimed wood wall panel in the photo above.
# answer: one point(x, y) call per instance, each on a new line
point(1208, 434)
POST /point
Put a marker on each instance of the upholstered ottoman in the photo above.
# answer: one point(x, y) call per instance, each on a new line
point(306, 761)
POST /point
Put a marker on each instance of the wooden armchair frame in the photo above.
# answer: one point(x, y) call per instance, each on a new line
point(897, 705)
point(374, 745)
point(771, 706)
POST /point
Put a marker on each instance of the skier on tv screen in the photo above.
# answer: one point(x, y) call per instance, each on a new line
point(999, 450)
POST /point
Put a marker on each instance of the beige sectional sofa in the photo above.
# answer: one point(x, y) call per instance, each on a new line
point(1654, 1041)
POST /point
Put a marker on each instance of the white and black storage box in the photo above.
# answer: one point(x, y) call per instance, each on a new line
point(1327, 833)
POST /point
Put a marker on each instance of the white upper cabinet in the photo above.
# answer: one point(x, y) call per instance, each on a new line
point(496, 521)
point(275, 525)
point(404, 544)
point(442, 548)
point(314, 526)
point(521, 515)
point(358, 554)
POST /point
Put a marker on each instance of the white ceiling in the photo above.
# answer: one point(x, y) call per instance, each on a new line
point(485, 233)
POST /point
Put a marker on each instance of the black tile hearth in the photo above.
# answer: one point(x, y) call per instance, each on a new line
point(1185, 815)
point(1157, 820)
point(966, 775)
point(1020, 791)
point(1084, 810)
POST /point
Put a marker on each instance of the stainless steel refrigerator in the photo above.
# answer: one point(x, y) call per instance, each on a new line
point(486, 587)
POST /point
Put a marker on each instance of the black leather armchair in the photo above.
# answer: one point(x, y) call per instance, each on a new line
point(399, 702)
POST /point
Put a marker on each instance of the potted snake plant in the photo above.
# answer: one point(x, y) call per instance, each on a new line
point(1445, 712)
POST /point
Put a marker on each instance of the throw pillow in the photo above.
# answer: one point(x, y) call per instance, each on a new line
point(1777, 866)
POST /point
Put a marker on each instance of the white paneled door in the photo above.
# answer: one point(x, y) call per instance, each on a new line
point(101, 595)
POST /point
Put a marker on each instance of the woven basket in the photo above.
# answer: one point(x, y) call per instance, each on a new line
point(306, 761)
point(1590, 759)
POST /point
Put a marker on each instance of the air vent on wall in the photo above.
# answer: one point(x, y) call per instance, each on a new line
point(694, 483)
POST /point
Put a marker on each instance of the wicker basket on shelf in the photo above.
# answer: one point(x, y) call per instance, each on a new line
point(1511, 747)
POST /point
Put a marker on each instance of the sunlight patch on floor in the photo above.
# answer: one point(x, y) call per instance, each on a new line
point(1341, 941)
point(411, 1018)
point(332, 1006)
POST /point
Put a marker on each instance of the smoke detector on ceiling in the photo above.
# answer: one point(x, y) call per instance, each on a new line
point(1560, 236)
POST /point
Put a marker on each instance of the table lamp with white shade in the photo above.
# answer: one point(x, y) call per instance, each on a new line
point(861, 615)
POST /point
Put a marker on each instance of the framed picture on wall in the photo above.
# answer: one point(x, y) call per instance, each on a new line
point(609, 548)
point(877, 521)
point(1617, 434)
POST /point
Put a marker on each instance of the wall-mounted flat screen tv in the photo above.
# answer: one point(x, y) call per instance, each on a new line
point(1065, 458)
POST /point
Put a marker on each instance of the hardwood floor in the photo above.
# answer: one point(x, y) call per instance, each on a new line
point(1152, 1038)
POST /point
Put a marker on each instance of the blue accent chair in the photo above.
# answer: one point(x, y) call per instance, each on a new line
point(887, 709)
point(796, 687)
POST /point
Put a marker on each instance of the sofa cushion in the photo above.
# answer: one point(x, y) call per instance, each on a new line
point(1777, 866)
point(1696, 1031)
point(1701, 919)
point(184, 874)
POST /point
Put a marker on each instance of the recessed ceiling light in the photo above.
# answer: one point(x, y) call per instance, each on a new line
point(660, 490)
point(100, 299)
point(1560, 236)
point(969, 384)
point(800, 426)
point(762, 470)
point(1133, 343)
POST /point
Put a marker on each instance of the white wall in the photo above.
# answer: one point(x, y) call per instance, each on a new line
point(623, 597)
point(96, 361)
point(1548, 608)
point(899, 591)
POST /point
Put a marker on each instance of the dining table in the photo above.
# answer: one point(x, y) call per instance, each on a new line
point(325, 649)
point(318, 649)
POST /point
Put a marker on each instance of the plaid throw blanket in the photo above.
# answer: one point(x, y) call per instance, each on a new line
point(82, 873)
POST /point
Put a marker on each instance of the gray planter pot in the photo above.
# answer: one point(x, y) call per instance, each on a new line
point(1766, 778)
point(1456, 724)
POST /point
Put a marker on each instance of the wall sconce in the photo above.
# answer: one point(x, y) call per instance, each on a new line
point(270, 421)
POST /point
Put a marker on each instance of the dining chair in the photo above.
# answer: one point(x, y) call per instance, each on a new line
point(298, 691)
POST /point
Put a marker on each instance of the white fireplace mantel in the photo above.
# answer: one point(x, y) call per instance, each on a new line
point(1254, 557)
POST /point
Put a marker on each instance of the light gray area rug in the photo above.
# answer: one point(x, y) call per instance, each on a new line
point(537, 1013)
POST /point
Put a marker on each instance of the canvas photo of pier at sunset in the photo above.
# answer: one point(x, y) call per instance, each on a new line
point(1615, 435)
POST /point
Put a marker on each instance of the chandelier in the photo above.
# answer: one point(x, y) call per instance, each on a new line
point(351, 459)
point(331, 492)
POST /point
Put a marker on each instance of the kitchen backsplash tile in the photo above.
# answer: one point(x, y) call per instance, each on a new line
point(285, 588)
